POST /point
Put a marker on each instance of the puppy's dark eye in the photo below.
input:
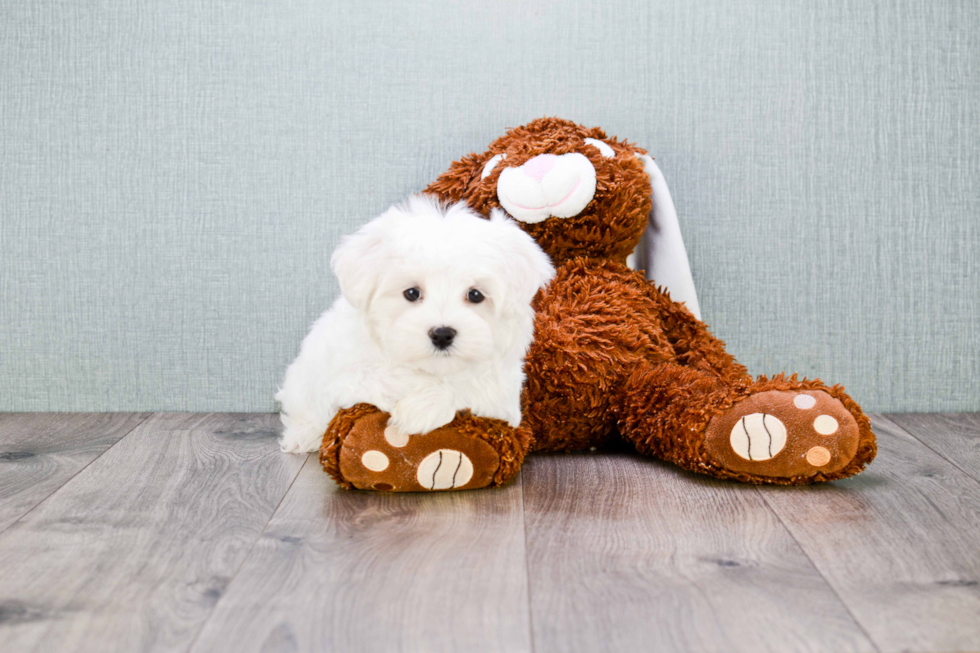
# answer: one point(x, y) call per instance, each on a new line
point(412, 294)
point(474, 296)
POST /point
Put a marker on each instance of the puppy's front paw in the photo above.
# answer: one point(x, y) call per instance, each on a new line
point(418, 415)
point(300, 440)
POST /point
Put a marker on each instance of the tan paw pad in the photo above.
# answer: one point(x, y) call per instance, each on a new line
point(444, 470)
point(758, 437)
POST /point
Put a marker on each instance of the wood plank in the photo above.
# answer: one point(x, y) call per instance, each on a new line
point(340, 570)
point(133, 552)
point(954, 436)
point(900, 543)
point(40, 452)
point(626, 553)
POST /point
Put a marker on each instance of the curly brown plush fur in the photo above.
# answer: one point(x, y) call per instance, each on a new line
point(333, 440)
point(613, 356)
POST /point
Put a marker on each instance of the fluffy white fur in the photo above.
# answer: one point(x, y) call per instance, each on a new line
point(373, 345)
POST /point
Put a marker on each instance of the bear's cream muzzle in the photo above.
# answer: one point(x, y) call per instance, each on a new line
point(547, 186)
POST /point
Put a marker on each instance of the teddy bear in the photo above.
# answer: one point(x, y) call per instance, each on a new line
point(614, 357)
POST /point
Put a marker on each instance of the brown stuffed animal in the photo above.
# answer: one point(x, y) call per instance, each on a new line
point(613, 355)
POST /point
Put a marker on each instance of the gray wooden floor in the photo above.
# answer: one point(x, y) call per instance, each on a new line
point(192, 532)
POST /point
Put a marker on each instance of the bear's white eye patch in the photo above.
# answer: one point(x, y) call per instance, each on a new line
point(492, 163)
point(603, 148)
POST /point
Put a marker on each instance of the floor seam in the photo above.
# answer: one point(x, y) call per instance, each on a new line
point(248, 554)
point(813, 564)
point(80, 470)
point(926, 445)
point(527, 564)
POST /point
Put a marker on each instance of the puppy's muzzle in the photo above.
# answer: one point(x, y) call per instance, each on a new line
point(442, 337)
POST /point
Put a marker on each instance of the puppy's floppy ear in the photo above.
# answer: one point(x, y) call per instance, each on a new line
point(360, 256)
point(528, 267)
point(661, 251)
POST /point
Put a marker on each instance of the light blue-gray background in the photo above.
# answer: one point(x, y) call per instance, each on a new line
point(174, 175)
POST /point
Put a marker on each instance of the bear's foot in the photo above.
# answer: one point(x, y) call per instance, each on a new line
point(439, 460)
point(468, 453)
point(787, 436)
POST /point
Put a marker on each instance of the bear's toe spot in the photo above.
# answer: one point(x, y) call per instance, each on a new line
point(395, 438)
point(825, 425)
point(804, 402)
point(375, 461)
point(818, 456)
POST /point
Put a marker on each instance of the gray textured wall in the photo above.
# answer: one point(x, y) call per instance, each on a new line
point(174, 175)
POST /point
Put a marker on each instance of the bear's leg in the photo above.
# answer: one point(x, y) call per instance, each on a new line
point(468, 453)
point(704, 412)
point(780, 430)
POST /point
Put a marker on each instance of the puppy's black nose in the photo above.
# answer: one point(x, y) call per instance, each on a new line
point(442, 337)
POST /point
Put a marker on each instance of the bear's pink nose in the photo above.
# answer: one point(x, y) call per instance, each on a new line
point(539, 166)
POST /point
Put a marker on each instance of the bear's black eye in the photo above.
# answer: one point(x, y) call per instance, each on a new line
point(412, 294)
point(474, 296)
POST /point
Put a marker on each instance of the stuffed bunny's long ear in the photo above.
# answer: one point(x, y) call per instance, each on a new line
point(661, 252)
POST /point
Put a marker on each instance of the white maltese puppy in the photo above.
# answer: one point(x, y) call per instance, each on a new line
point(435, 317)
